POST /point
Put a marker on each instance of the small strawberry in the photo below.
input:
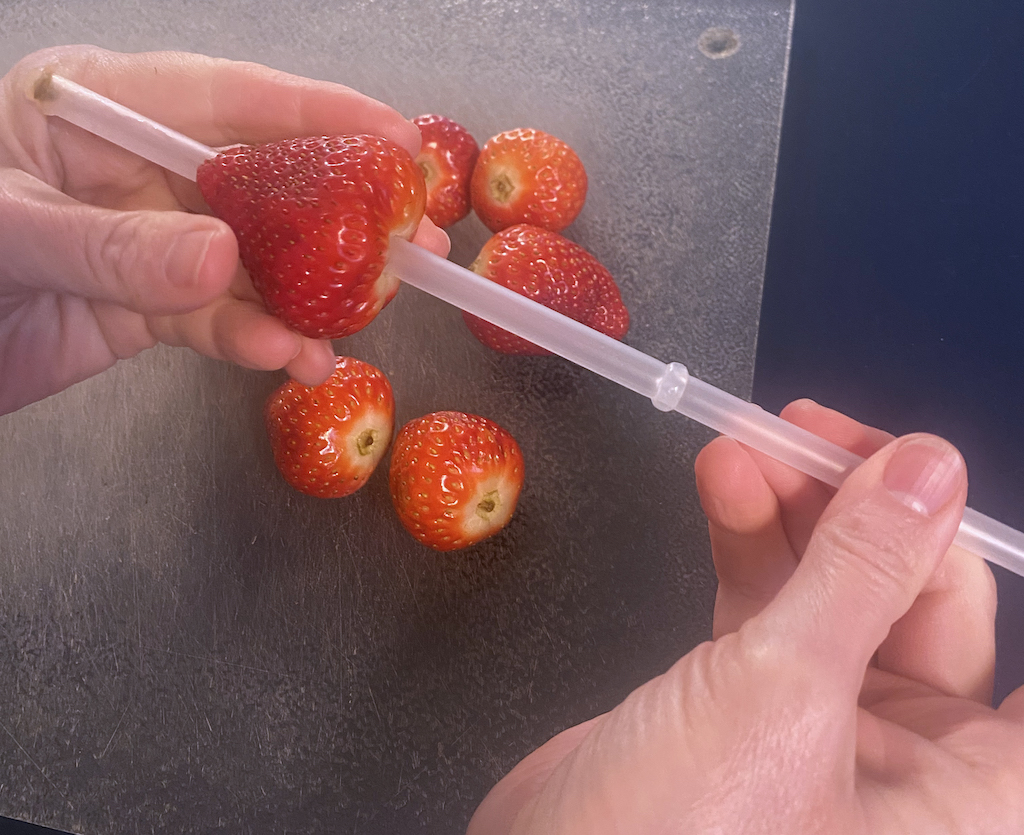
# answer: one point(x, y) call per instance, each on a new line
point(552, 270)
point(446, 159)
point(528, 176)
point(314, 218)
point(455, 478)
point(328, 439)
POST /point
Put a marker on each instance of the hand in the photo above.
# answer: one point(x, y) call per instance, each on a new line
point(847, 687)
point(103, 254)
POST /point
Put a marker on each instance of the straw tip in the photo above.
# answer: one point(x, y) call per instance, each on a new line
point(43, 90)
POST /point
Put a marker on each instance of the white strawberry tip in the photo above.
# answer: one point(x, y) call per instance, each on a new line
point(386, 286)
point(384, 289)
point(428, 170)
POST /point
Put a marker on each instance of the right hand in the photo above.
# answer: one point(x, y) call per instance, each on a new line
point(847, 687)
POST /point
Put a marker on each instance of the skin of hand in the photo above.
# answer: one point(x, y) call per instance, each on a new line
point(847, 688)
point(105, 254)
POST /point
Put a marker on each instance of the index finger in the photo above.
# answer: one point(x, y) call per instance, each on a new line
point(801, 497)
point(221, 102)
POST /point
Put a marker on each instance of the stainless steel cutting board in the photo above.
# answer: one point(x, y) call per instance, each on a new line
point(188, 645)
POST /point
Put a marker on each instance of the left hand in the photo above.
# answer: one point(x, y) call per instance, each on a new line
point(103, 254)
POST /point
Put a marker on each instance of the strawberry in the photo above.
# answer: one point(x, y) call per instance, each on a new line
point(313, 218)
point(528, 176)
point(328, 439)
point(446, 159)
point(455, 478)
point(554, 271)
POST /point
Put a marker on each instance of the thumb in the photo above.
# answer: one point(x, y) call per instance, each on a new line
point(872, 551)
point(151, 262)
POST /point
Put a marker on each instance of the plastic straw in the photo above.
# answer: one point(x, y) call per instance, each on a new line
point(669, 386)
point(57, 96)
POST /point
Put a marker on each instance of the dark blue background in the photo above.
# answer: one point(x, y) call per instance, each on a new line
point(895, 282)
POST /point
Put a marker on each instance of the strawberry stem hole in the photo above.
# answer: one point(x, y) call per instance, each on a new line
point(366, 441)
point(502, 188)
point(488, 504)
point(427, 172)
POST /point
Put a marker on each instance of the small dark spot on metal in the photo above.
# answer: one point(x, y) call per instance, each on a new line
point(718, 42)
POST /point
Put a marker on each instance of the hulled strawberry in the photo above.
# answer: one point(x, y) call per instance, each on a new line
point(558, 273)
point(328, 439)
point(528, 176)
point(314, 218)
point(455, 478)
point(446, 159)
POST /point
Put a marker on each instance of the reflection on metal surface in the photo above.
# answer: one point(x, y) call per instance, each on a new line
point(186, 640)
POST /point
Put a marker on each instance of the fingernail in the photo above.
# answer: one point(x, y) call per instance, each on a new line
point(924, 474)
point(185, 257)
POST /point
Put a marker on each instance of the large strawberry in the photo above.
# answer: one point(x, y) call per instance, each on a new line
point(455, 478)
point(528, 176)
point(328, 439)
point(314, 218)
point(554, 271)
point(446, 159)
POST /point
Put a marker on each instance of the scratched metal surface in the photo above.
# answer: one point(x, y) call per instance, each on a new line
point(187, 645)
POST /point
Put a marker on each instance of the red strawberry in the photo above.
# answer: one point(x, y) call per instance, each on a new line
point(446, 159)
point(313, 218)
point(528, 176)
point(554, 271)
point(328, 439)
point(455, 478)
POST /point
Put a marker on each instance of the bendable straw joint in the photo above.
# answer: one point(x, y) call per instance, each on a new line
point(671, 386)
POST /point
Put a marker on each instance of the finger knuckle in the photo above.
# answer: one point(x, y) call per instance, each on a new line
point(112, 253)
point(882, 554)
